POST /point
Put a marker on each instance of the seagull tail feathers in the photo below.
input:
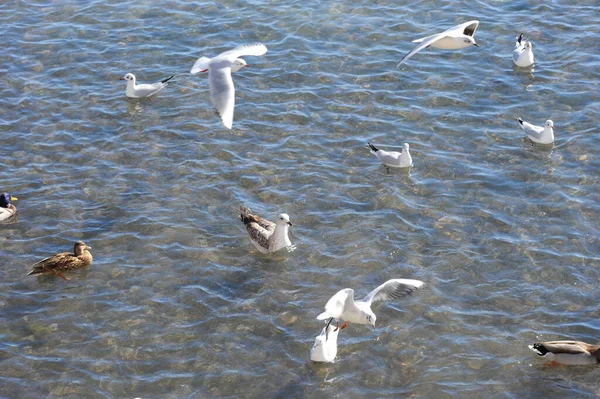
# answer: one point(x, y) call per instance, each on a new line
point(520, 120)
point(373, 148)
point(167, 79)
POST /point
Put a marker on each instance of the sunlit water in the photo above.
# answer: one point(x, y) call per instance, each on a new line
point(179, 304)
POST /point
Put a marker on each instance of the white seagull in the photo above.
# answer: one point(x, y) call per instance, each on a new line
point(267, 237)
point(222, 91)
point(523, 53)
point(455, 38)
point(393, 159)
point(342, 304)
point(539, 134)
point(325, 347)
point(143, 90)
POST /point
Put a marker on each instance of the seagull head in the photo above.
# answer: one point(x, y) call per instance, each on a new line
point(549, 123)
point(470, 40)
point(129, 76)
point(528, 45)
point(284, 220)
point(406, 146)
point(238, 64)
point(371, 318)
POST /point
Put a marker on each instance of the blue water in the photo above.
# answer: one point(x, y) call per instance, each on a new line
point(179, 304)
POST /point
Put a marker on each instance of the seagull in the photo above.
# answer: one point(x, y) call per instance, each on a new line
point(7, 210)
point(455, 38)
point(222, 91)
point(393, 159)
point(523, 53)
point(342, 304)
point(324, 349)
point(143, 90)
point(267, 237)
point(567, 352)
point(539, 134)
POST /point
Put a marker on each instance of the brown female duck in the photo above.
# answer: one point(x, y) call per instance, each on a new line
point(64, 262)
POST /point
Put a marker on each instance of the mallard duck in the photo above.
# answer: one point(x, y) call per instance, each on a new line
point(325, 347)
point(267, 237)
point(567, 352)
point(7, 210)
point(64, 262)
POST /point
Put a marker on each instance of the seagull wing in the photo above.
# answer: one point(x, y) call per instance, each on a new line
point(200, 65)
point(467, 29)
point(241, 51)
point(423, 43)
point(393, 289)
point(222, 93)
point(338, 304)
point(532, 130)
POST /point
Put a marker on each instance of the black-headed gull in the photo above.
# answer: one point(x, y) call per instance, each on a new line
point(523, 53)
point(455, 38)
point(538, 134)
point(267, 237)
point(222, 91)
point(393, 159)
point(325, 347)
point(573, 353)
point(145, 90)
point(342, 304)
point(7, 210)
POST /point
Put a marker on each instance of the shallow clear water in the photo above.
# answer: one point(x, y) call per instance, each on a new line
point(178, 303)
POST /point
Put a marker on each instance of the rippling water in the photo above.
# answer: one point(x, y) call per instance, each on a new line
point(179, 304)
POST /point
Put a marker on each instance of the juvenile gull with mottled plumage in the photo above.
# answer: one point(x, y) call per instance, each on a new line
point(267, 237)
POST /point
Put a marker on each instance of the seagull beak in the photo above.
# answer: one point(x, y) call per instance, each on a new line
point(121, 78)
point(13, 198)
point(475, 44)
point(204, 70)
point(290, 224)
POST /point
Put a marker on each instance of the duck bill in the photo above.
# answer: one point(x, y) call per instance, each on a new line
point(14, 199)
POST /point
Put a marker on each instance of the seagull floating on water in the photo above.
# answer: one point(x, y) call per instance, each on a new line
point(523, 53)
point(222, 91)
point(7, 210)
point(324, 349)
point(455, 38)
point(538, 134)
point(342, 304)
point(64, 262)
point(145, 90)
point(567, 352)
point(393, 159)
point(267, 237)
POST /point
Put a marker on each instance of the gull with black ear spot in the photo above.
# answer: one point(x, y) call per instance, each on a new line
point(538, 134)
point(455, 38)
point(266, 236)
point(324, 349)
point(222, 90)
point(145, 90)
point(342, 305)
point(523, 53)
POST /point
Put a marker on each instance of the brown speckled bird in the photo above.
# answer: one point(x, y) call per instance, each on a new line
point(64, 262)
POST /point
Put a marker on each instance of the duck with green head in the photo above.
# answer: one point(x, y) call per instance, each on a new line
point(7, 210)
point(64, 262)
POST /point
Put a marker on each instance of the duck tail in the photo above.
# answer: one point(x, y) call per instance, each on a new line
point(245, 214)
point(36, 270)
point(373, 148)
